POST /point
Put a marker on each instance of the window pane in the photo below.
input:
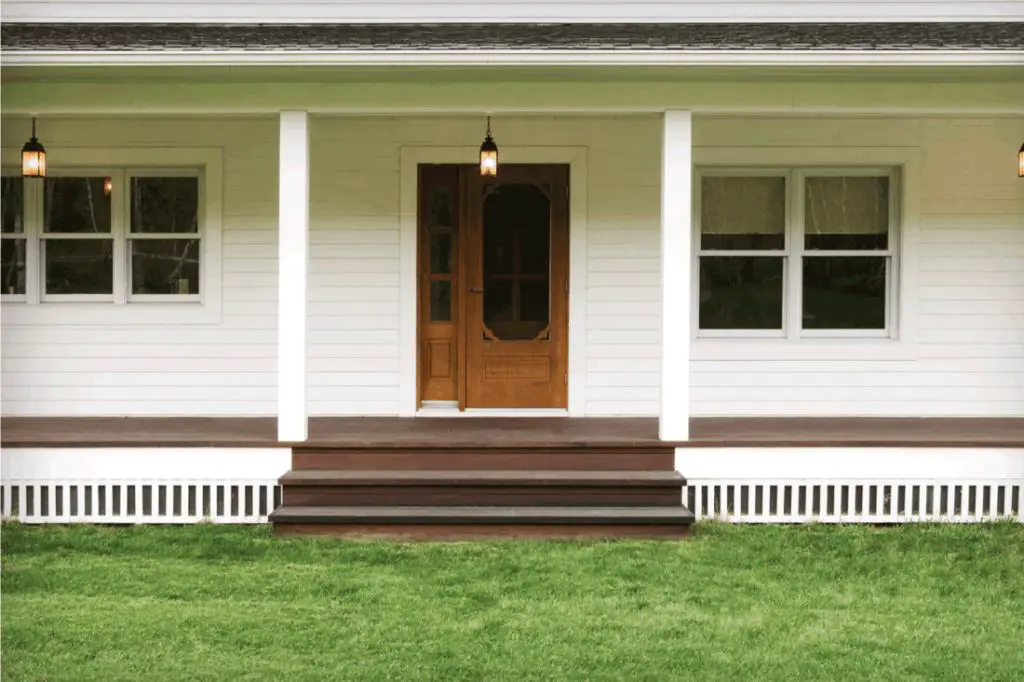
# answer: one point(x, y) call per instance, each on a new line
point(441, 253)
point(741, 292)
point(165, 266)
point(846, 213)
point(75, 205)
point(11, 205)
point(743, 213)
point(79, 266)
point(165, 205)
point(441, 301)
point(844, 292)
point(12, 265)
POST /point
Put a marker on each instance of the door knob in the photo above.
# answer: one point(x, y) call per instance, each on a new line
point(476, 290)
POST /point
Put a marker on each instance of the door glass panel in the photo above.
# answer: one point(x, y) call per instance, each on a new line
point(441, 253)
point(441, 301)
point(516, 261)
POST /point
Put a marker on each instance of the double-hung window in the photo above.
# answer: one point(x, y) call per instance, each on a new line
point(796, 253)
point(117, 235)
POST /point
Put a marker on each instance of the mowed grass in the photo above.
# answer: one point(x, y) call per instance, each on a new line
point(737, 603)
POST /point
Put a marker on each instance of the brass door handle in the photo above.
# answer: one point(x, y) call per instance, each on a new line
point(476, 290)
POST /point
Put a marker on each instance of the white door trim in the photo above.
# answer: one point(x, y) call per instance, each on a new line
point(576, 157)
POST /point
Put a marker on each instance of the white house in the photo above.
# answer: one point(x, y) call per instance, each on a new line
point(727, 225)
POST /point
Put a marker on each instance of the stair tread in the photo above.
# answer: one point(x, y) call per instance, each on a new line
point(308, 477)
point(457, 514)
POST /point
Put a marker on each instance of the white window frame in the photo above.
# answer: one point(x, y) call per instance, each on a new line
point(199, 234)
point(793, 253)
point(28, 217)
point(204, 308)
point(898, 344)
point(35, 229)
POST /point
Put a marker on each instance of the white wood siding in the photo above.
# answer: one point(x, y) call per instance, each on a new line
point(226, 368)
point(507, 10)
point(969, 358)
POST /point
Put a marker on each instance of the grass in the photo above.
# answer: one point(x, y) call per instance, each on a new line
point(737, 603)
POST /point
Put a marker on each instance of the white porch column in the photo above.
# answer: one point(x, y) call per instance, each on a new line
point(676, 218)
point(293, 260)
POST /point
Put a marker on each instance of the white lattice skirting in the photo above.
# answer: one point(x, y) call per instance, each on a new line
point(853, 485)
point(142, 485)
point(740, 485)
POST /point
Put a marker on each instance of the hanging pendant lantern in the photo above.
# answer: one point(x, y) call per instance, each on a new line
point(1020, 162)
point(489, 154)
point(33, 157)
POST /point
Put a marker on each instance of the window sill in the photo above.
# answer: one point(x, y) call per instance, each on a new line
point(810, 349)
point(98, 314)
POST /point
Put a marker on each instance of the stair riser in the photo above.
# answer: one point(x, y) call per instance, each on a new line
point(488, 496)
point(454, 460)
point(413, 531)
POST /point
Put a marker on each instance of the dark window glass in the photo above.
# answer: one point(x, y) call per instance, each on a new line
point(741, 292)
point(75, 205)
point(743, 213)
point(440, 212)
point(165, 266)
point(78, 266)
point(441, 253)
point(846, 213)
point(12, 265)
point(441, 301)
point(165, 205)
point(12, 205)
point(844, 292)
point(516, 259)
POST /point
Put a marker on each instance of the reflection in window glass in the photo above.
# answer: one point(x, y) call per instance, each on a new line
point(12, 205)
point(78, 266)
point(846, 213)
point(738, 292)
point(844, 292)
point(441, 301)
point(743, 213)
point(165, 266)
point(74, 205)
point(12, 266)
point(165, 205)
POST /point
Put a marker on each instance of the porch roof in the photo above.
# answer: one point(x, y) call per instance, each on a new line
point(474, 37)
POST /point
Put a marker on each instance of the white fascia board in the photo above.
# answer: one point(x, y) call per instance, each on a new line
point(517, 58)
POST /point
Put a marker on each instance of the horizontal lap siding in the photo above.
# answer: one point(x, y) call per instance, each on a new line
point(225, 368)
point(354, 251)
point(970, 260)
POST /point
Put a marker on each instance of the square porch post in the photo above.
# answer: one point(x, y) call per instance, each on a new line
point(676, 218)
point(293, 264)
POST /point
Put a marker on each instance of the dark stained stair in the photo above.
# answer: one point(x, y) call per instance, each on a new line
point(458, 493)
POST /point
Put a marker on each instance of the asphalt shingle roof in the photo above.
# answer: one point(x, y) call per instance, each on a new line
point(958, 36)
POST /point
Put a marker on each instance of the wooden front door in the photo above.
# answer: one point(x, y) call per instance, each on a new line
point(494, 261)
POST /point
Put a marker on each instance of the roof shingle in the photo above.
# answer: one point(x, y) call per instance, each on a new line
point(960, 36)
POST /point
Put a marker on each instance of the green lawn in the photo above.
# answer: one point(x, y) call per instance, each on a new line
point(737, 603)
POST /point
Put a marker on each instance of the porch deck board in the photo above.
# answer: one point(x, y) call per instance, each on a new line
point(514, 432)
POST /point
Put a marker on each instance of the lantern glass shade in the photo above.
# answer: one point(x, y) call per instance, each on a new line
point(33, 159)
point(1020, 162)
point(489, 158)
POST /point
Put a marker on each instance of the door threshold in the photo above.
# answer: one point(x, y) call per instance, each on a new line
point(433, 411)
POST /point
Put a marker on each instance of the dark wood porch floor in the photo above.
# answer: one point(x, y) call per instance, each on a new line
point(490, 432)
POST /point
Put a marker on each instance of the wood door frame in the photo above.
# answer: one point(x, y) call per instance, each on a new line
point(411, 158)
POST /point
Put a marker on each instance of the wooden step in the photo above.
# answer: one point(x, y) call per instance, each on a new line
point(463, 459)
point(317, 487)
point(466, 522)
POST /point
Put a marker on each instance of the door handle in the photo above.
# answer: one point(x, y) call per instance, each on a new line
point(476, 290)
